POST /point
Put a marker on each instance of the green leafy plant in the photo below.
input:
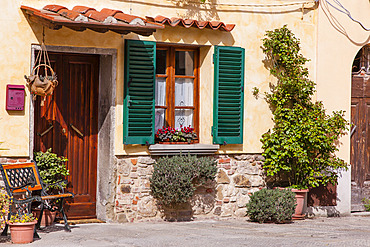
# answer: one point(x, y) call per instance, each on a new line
point(52, 168)
point(21, 218)
point(366, 202)
point(271, 205)
point(175, 178)
point(302, 143)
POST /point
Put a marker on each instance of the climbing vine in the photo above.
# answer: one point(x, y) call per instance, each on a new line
point(303, 141)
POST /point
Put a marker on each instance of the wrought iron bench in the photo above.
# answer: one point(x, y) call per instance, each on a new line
point(24, 184)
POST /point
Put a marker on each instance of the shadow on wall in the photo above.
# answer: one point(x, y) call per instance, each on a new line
point(209, 9)
point(199, 36)
point(330, 211)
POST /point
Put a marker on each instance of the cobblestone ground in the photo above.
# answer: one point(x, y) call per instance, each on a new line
point(344, 231)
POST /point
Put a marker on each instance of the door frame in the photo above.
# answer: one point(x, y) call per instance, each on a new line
point(106, 122)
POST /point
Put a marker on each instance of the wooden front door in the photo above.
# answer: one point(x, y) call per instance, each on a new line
point(360, 141)
point(68, 123)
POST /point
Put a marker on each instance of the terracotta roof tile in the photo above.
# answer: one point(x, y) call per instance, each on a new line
point(82, 9)
point(81, 18)
point(70, 14)
point(174, 21)
point(111, 12)
point(54, 8)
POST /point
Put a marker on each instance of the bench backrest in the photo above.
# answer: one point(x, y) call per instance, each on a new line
point(20, 175)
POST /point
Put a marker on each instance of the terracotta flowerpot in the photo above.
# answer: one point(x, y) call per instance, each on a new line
point(48, 217)
point(300, 196)
point(22, 233)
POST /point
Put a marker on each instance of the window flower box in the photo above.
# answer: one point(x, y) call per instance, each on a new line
point(169, 135)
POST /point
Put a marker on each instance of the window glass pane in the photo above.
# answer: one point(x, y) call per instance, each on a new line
point(184, 63)
point(159, 118)
point(183, 117)
point(161, 62)
point(160, 91)
point(184, 92)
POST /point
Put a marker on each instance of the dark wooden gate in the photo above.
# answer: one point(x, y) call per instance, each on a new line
point(68, 123)
point(360, 139)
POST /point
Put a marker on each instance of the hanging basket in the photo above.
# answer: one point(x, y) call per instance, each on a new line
point(42, 85)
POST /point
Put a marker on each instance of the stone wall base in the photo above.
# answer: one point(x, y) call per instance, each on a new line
point(238, 176)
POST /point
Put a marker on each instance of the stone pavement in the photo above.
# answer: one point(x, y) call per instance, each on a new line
point(343, 231)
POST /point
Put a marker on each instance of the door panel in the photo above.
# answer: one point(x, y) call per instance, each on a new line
point(73, 110)
point(360, 150)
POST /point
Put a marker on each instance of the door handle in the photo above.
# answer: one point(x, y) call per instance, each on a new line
point(77, 131)
point(46, 131)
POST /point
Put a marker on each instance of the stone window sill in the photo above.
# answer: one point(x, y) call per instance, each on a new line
point(173, 149)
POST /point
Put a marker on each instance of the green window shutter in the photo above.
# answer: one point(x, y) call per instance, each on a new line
point(228, 95)
point(139, 89)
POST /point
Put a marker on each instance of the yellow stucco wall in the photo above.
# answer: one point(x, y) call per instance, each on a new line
point(339, 40)
point(251, 23)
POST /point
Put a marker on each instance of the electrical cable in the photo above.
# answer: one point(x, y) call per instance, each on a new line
point(346, 12)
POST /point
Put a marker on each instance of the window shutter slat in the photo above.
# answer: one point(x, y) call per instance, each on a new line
point(228, 95)
point(139, 92)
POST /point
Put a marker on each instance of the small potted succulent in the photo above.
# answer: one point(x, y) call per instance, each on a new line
point(22, 228)
point(169, 135)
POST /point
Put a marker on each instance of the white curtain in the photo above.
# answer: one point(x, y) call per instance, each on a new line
point(184, 96)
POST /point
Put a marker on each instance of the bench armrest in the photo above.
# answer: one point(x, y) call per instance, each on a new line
point(58, 184)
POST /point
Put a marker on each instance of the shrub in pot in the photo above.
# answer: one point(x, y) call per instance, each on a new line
point(52, 170)
point(302, 144)
point(22, 228)
point(271, 205)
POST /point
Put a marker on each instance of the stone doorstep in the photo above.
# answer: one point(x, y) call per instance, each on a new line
point(81, 221)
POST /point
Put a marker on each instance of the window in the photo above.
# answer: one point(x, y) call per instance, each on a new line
point(161, 88)
point(176, 87)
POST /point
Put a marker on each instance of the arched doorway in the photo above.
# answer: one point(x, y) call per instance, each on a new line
point(360, 129)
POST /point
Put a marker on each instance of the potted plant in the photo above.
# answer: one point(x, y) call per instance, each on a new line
point(22, 228)
point(52, 170)
point(301, 145)
point(169, 135)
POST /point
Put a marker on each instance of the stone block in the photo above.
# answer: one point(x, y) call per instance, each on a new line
point(256, 181)
point(147, 207)
point(252, 170)
point(241, 212)
point(125, 188)
point(142, 171)
point(217, 211)
point(146, 160)
point(124, 167)
point(121, 218)
point(227, 210)
point(229, 191)
point(241, 181)
point(224, 160)
point(242, 201)
point(259, 158)
point(222, 177)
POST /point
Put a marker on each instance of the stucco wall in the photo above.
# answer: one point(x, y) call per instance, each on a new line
point(251, 23)
point(339, 40)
